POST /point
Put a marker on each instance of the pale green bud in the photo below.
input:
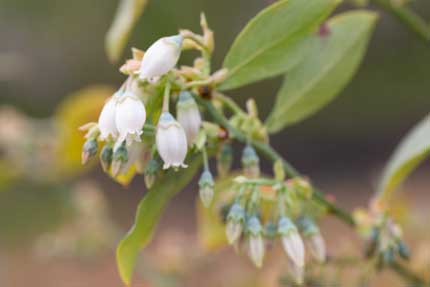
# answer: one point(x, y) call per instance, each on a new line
point(225, 159)
point(250, 162)
point(235, 220)
point(120, 156)
point(89, 150)
point(291, 241)
point(314, 240)
point(256, 241)
point(206, 188)
point(106, 156)
point(150, 173)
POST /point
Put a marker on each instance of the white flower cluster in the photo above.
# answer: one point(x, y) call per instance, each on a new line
point(123, 116)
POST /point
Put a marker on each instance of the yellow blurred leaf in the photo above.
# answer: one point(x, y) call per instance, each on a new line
point(126, 16)
point(76, 110)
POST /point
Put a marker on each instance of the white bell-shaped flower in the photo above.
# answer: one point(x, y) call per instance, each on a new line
point(291, 241)
point(294, 247)
point(189, 116)
point(160, 58)
point(171, 141)
point(107, 125)
point(256, 249)
point(317, 247)
point(130, 117)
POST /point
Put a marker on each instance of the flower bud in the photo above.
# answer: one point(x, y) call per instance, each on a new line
point(291, 241)
point(150, 172)
point(189, 116)
point(235, 220)
point(225, 159)
point(106, 156)
point(206, 188)
point(256, 242)
point(130, 117)
point(171, 141)
point(89, 150)
point(120, 156)
point(403, 250)
point(160, 57)
point(250, 162)
point(107, 125)
point(314, 240)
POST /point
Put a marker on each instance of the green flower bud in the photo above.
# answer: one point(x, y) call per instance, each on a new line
point(253, 226)
point(225, 159)
point(120, 156)
point(403, 250)
point(250, 162)
point(106, 156)
point(89, 150)
point(151, 171)
point(235, 220)
point(206, 188)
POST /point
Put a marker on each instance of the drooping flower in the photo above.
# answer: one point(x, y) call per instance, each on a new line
point(291, 241)
point(189, 116)
point(235, 220)
point(107, 125)
point(316, 246)
point(130, 116)
point(160, 57)
point(314, 240)
point(256, 241)
point(206, 188)
point(171, 141)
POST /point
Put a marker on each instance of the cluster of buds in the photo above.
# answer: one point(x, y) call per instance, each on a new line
point(385, 242)
point(384, 236)
point(247, 223)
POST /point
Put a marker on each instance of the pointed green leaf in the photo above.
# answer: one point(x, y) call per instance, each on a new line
point(147, 216)
point(412, 150)
point(126, 16)
point(272, 42)
point(328, 67)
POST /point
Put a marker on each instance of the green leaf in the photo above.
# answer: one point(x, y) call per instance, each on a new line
point(413, 149)
point(273, 41)
point(328, 67)
point(126, 16)
point(148, 214)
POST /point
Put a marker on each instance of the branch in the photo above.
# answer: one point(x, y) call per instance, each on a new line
point(268, 152)
point(408, 275)
point(409, 18)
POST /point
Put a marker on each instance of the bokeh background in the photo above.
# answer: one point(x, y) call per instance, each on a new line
point(50, 49)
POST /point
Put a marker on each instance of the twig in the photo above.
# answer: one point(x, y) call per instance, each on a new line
point(408, 17)
point(268, 152)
